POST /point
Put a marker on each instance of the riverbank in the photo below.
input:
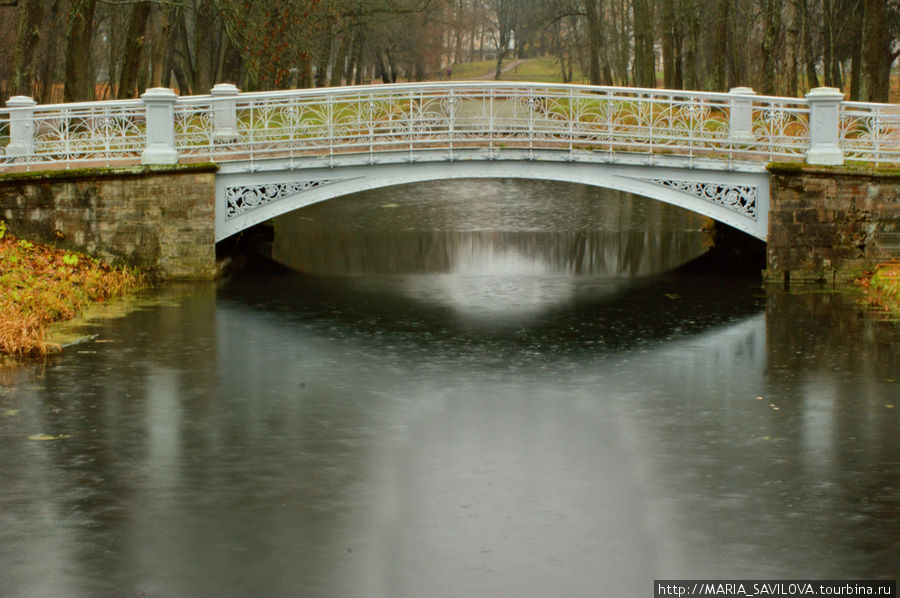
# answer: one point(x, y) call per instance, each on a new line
point(41, 284)
point(882, 287)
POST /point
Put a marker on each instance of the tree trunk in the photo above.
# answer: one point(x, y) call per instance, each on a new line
point(340, 61)
point(232, 63)
point(810, 55)
point(719, 55)
point(323, 56)
point(134, 48)
point(595, 37)
point(669, 31)
point(771, 38)
point(79, 81)
point(875, 53)
point(737, 44)
point(30, 16)
point(828, 45)
point(644, 56)
point(359, 46)
point(691, 71)
point(49, 65)
point(159, 76)
point(382, 69)
point(202, 75)
point(791, 48)
point(182, 56)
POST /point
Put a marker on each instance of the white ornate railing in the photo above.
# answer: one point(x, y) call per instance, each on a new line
point(870, 132)
point(226, 125)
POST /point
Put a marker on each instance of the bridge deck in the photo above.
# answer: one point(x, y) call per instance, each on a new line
point(227, 126)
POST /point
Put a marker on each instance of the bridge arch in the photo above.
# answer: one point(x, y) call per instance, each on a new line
point(246, 197)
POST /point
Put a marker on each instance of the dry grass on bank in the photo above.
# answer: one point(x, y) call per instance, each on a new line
point(40, 285)
point(882, 287)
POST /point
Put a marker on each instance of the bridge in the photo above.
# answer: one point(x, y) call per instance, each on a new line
point(278, 151)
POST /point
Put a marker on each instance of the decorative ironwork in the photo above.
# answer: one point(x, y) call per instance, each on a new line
point(870, 132)
point(425, 116)
point(87, 132)
point(737, 198)
point(243, 198)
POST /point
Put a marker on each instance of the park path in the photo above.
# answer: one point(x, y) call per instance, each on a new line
point(506, 68)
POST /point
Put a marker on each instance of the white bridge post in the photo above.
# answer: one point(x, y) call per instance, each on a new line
point(741, 115)
point(824, 126)
point(160, 106)
point(225, 106)
point(21, 126)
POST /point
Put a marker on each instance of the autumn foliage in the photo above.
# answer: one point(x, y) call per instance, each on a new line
point(40, 284)
point(882, 287)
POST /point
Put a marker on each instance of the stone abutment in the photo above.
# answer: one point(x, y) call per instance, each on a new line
point(159, 218)
point(831, 223)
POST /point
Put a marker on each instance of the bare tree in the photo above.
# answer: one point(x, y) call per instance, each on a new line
point(134, 50)
point(79, 72)
point(30, 17)
point(644, 55)
point(505, 14)
point(875, 52)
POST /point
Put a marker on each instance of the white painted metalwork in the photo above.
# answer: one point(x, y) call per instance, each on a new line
point(66, 134)
point(249, 196)
point(738, 198)
point(160, 113)
point(824, 133)
point(226, 125)
point(494, 116)
point(870, 132)
point(243, 198)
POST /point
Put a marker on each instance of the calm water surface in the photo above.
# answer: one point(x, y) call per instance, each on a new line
point(507, 403)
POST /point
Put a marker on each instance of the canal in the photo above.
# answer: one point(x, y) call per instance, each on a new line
point(477, 389)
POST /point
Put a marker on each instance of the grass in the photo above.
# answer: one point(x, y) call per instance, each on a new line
point(882, 287)
point(40, 285)
point(469, 70)
point(541, 70)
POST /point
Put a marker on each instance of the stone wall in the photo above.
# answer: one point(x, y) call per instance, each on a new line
point(160, 218)
point(831, 223)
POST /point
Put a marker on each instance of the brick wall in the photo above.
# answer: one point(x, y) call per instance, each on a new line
point(160, 218)
point(831, 223)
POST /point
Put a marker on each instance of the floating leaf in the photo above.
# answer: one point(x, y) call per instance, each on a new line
point(47, 437)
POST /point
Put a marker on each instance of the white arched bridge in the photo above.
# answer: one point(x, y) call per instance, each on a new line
point(279, 151)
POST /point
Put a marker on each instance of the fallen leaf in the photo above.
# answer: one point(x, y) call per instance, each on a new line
point(47, 437)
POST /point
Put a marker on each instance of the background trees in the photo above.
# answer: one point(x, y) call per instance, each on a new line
point(72, 50)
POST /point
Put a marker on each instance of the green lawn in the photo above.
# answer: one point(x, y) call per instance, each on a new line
point(469, 70)
point(541, 70)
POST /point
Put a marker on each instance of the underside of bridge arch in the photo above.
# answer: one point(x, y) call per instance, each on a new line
point(739, 199)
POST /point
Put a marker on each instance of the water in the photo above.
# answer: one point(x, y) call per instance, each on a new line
point(508, 423)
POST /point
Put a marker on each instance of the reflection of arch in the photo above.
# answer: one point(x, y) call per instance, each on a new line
point(739, 199)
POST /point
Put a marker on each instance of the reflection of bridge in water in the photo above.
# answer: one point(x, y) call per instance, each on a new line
point(279, 151)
